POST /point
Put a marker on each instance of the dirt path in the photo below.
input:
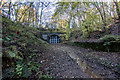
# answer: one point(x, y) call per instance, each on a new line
point(63, 61)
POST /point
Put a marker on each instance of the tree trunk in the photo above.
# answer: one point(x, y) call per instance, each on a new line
point(100, 13)
point(41, 13)
point(25, 11)
point(117, 9)
point(29, 17)
point(36, 21)
point(104, 14)
point(9, 10)
point(33, 18)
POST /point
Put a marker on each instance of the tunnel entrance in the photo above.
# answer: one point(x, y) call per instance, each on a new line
point(54, 39)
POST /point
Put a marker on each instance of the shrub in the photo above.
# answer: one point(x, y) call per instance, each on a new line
point(17, 58)
point(110, 38)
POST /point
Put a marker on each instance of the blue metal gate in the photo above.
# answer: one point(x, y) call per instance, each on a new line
point(54, 39)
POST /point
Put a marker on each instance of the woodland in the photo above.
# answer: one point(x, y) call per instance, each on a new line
point(90, 47)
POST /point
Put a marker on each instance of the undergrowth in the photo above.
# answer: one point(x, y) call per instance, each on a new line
point(21, 47)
